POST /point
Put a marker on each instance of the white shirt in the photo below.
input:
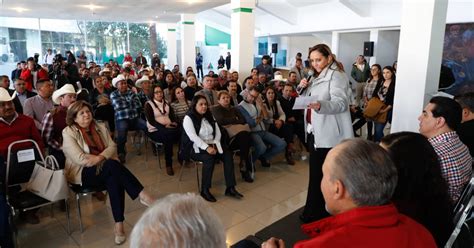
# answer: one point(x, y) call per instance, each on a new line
point(48, 58)
point(205, 137)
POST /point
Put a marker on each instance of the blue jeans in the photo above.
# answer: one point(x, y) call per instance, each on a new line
point(378, 135)
point(122, 127)
point(261, 140)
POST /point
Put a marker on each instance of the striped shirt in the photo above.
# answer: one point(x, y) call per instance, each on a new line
point(180, 109)
point(455, 162)
point(369, 89)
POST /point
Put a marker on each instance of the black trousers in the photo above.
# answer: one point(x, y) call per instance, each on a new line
point(167, 136)
point(199, 69)
point(117, 179)
point(59, 155)
point(209, 161)
point(315, 207)
point(242, 142)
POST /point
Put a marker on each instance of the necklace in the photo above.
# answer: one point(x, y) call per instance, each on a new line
point(162, 112)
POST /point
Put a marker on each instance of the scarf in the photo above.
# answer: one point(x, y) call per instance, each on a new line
point(94, 141)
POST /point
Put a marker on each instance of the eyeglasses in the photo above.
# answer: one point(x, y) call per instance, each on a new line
point(158, 92)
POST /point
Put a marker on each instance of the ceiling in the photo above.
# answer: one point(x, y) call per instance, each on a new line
point(165, 11)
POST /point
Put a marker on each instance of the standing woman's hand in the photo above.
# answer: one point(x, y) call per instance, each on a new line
point(316, 106)
point(303, 83)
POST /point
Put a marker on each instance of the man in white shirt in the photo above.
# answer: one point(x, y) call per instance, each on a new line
point(48, 57)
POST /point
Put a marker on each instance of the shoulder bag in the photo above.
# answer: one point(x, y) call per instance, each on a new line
point(48, 181)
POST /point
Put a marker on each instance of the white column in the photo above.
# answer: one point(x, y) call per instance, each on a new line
point(188, 42)
point(419, 60)
point(335, 43)
point(374, 37)
point(242, 35)
point(171, 49)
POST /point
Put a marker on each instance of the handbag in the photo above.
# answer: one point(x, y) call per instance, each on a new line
point(374, 105)
point(234, 129)
point(48, 181)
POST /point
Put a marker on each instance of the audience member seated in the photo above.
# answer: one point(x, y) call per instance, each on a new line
point(298, 69)
point(191, 88)
point(179, 104)
point(32, 74)
point(266, 144)
point(144, 86)
point(5, 83)
point(275, 122)
point(421, 192)
point(237, 130)
point(208, 92)
point(179, 220)
point(14, 127)
point(439, 122)
point(359, 179)
point(201, 142)
point(91, 161)
point(22, 93)
point(170, 83)
point(36, 107)
point(55, 121)
point(248, 82)
point(466, 129)
point(86, 80)
point(265, 68)
point(161, 125)
point(234, 77)
point(232, 88)
point(221, 81)
point(294, 118)
point(127, 109)
point(261, 83)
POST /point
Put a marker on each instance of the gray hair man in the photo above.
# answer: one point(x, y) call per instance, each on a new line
point(179, 220)
point(359, 179)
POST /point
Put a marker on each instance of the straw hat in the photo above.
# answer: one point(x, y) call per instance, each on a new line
point(5, 96)
point(141, 80)
point(118, 79)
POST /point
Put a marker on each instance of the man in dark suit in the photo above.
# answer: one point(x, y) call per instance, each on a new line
point(16, 73)
point(5, 83)
point(21, 94)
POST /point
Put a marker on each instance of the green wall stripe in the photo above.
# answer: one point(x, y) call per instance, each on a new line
point(172, 29)
point(187, 22)
point(246, 10)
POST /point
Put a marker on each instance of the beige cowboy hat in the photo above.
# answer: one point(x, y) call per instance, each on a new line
point(118, 79)
point(66, 89)
point(278, 77)
point(5, 96)
point(141, 80)
point(106, 69)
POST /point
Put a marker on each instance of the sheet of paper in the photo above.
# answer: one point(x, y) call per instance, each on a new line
point(25, 155)
point(302, 102)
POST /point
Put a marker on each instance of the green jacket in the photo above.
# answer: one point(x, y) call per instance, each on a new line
point(358, 75)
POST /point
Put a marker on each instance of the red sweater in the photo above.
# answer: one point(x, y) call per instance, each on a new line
point(380, 226)
point(23, 127)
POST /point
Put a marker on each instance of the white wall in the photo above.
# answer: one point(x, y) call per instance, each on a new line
point(387, 47)
point(351, 45)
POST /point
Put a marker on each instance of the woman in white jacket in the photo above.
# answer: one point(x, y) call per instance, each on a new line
point(327, 121)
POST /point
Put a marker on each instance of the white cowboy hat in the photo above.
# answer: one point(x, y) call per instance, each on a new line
point(106, 69)
point(118, 79)
point(278, 78)
point(66, 89)
point(141, 80)
point(5, 96)
point(126, 64)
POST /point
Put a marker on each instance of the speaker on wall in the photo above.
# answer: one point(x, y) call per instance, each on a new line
point(369, 48)
point(275, 48)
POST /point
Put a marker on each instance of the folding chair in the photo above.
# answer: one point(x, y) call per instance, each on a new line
point(196, 165)
point(79, 191)
point(20, 165)
point(158, 146)
point(462, 211)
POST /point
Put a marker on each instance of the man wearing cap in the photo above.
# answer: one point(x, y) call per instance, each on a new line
point(55, 121)
point(15, 127)
point(36, 107)
point(127, 112)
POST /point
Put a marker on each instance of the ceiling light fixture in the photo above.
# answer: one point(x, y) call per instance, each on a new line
point(19, 9)
point(92, 6)
point(191, 1)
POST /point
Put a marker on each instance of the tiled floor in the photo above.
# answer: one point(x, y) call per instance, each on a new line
point(277, 191)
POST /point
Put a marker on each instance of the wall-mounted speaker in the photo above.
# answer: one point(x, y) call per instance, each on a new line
point(275, 48)
point(368, 48)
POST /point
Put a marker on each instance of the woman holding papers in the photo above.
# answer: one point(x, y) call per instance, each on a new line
point(327, 121)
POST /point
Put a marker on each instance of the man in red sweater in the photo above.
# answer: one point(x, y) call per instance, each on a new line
point(358, 182)
point(32, 74)
point(14, 127)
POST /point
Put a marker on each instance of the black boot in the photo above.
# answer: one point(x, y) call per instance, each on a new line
point(207, 195)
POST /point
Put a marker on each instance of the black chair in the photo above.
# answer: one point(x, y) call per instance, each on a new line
point(20, 165)
point(461, 235)
point(157, 145)
point(79, 191)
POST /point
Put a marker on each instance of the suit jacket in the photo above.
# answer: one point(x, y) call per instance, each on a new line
point(16, 100)
point(211, 100)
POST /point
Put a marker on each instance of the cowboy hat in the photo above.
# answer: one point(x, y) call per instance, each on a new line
point(126, 64)
point(141, 80)
point(66, 89)
point(5, 96)
point(278, 77)
point(106, 69)
point(118, 79)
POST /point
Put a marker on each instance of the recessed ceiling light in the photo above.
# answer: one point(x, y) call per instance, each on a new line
point(92, 6)
point(19, 9)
